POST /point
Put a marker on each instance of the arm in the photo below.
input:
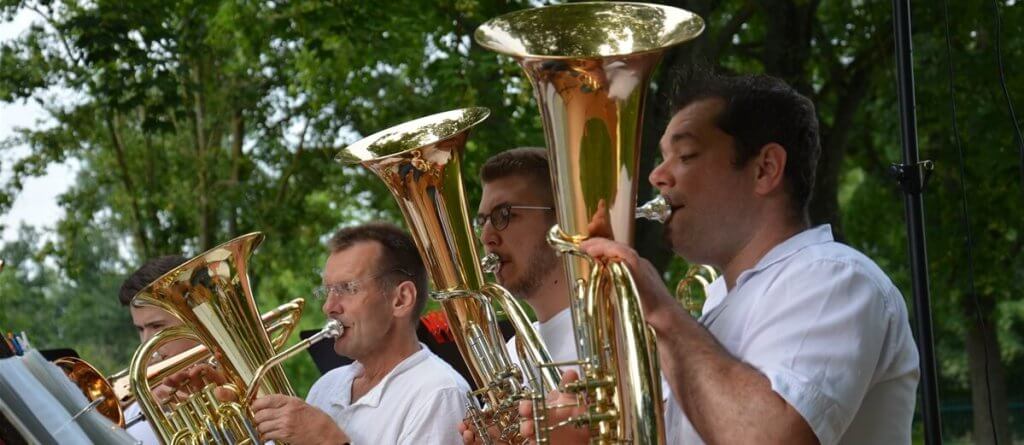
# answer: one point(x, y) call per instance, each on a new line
point(726, 400)
point(289, 419)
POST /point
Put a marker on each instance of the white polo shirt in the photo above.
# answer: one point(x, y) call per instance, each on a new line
point(829, 330)
point(421, 401)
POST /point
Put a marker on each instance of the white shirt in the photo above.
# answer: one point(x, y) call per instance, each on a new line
point(141, 431)
point(557, 335)
point(829, 330)
point(421, 401)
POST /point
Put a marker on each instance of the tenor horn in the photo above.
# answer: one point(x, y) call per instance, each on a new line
point(212, 297)
point(116, 389)
point(421, 163)
point(590, 65)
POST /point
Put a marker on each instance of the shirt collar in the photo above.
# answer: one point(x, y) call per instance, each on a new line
point(815, 235)
point(372, 398)
point(717, 291)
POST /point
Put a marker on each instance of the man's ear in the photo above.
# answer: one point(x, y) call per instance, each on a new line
point(770, 169)
point(405, 299)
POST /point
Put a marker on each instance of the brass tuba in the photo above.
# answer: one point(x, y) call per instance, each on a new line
point(212, 297)
point(590, 65)
point(420, 162)
point(116, 389)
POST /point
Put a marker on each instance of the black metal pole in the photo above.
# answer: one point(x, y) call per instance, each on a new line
point(912, 175)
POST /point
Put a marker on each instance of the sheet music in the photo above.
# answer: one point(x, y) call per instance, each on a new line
point(99, 428)
point(38, 410)
point(43, 399)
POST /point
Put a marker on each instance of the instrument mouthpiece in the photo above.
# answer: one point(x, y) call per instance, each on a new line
point(657, 209)
point(491, 263)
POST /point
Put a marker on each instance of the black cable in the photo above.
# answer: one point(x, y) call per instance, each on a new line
point(1006, 91)
point(966, 219)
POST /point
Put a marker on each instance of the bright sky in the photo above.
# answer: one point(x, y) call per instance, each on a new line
point(36, 205)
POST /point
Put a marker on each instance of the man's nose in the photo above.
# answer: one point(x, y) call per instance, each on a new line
point(332, 306)
point(660, 178)
point(489, 235)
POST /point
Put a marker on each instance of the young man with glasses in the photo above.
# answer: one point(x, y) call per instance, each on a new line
point(515, 213)
point(396, 391)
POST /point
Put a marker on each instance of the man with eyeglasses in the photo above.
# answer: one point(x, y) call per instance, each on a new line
point(396, 391)
point(515, 213)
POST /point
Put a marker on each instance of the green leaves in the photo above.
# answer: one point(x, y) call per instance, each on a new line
point(193, 122)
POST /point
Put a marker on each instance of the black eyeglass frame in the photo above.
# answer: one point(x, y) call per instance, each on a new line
point(500, 216)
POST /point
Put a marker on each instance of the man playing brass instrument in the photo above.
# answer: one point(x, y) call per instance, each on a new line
point(397, 391)
point(803, 339)
point(516, 210)
point(149, 320)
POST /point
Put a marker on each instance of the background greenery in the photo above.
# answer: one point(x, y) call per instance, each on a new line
point(195, 121)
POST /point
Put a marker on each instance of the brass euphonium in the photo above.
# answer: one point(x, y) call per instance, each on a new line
point(212, 297)
point(420, 162)
point(116, 389)
point(590, 65)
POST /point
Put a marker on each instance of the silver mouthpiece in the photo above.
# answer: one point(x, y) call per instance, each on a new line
point(491, 263)
point(333, 329)
point(657, 209)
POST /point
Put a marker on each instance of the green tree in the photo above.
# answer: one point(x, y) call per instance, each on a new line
point(194, 122)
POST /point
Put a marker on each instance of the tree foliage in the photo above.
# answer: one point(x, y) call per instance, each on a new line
point(194, 122)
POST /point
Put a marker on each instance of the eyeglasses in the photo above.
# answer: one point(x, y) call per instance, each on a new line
point(349, 288)
point(500, 215)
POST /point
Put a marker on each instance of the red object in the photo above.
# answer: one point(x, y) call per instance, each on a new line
point(437, 324)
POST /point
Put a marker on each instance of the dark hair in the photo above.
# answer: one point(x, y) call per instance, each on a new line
point(527, 162)
point(759, 110)
point(146, 274)
point(399, 253)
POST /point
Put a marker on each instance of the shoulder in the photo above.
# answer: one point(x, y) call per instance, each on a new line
point(837, 262)
point(328, 381)
point(434, 372)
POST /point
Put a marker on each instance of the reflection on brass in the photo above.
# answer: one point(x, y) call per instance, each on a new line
point(421, 163)
point(692, 290)
point(94, 386)
point(590, 65)
point(212, 297)
point(117, 389)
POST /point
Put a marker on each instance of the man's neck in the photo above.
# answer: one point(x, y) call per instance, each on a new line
point(759, 244)
point(551, 297)
point(400, 347)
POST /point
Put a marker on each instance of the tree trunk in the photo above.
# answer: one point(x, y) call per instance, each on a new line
point(237, 139)
point(987, 378)
point(202, 173)
point(126, 179)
